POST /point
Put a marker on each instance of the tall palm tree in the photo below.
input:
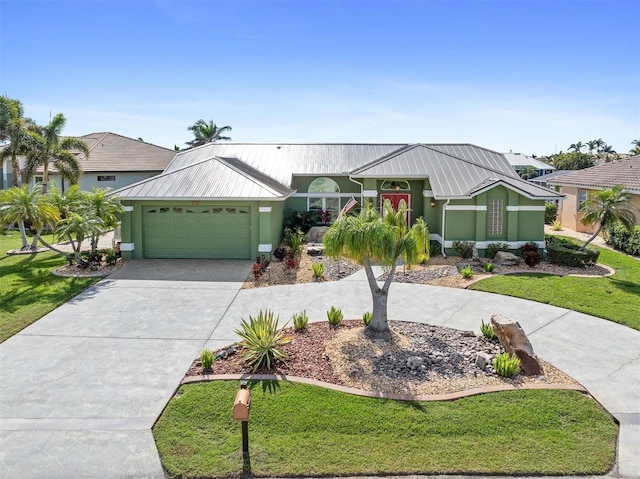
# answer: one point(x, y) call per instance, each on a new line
point(25, 206)
point(207, 133)
point(608, 207)
point(636, 147)
point(105, 207)
point(47, 146)
point(592, 145)
point(14, 129)
point(576, 146)
point(369, 238)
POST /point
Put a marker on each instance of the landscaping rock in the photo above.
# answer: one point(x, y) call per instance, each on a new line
point(316, 233)
point(482, 360)
point(414, 362)
point(514, 340)
point(504, 258)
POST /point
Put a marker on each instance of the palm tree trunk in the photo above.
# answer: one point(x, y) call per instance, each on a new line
point(23, 235)
point(595, 235)
point(34, 243)
point(378, 328)
point(76, 251)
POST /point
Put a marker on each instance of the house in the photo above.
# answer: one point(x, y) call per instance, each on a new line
point(229, 200)
point(114, 161)
point(577, 185)
point(543, 180)
point(521, 162)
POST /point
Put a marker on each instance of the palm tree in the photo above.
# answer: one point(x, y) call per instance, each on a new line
point(592, 145)
point(24, 206)
point(636, 147)
point(48, 146)
point(13, 129)
point(107, 208)
point(207, 133)
point(577, 146)
point(528, 172)
point(369, 238)
point(76, 227)
point(608, 207)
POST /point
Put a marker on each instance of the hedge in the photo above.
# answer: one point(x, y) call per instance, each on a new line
point(624, 240)
point(567, 253)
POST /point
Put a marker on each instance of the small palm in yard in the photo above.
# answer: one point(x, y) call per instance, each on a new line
point(607, 208)
point(262, 340)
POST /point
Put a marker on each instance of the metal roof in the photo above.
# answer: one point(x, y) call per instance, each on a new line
point(215, 178)
point(519, 159)
point(623, 172)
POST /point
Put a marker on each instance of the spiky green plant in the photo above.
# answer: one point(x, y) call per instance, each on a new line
point(207, 358)
point(488, 267)
point(556, 225)
point(366, 317)
point(466, 272)
point(262, 340)
point(487, 330)
point(334, 315)
point(506, 365)
point(318, 270)
point(300, 320)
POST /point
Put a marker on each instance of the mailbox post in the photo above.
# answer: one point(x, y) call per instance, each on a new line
point(241, 407)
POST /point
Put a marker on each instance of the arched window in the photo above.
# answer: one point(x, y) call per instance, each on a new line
point(397, 185)
point(324, 194)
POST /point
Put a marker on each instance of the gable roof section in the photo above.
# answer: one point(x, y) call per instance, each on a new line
point(214, 178)
point(622, 172)
point(450, 175)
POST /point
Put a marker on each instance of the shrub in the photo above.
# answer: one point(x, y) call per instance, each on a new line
point(550, 212)
point(291, 263)
point(111, 257)
point(334, 315)
point(506, 365)
point(556, 225)
point(624, 240)
point(207, 358)
point(464, 249)
point(488, 267)
point(366, 318)
point(282, 252)
point(300, 220)
point(493, 248)
point(466, 272)
point(530, 254)
point(567, 253)
point(487, 330)
point(262, 340)
point(300, 320)
point(318, 270)
point(294, 239)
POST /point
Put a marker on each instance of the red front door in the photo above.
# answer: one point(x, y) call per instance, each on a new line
point(396, 199)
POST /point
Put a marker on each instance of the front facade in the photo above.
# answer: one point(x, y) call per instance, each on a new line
point(230, 200)
point(576, 187)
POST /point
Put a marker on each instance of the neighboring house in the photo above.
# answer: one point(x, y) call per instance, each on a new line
point(226, 200)
point(520, 161)
point(114, 161)
point(543, 180)
point(577, 185)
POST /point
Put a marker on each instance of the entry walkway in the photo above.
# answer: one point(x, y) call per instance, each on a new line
point(82, 387)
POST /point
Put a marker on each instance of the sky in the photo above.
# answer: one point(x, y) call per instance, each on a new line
point(528, 76)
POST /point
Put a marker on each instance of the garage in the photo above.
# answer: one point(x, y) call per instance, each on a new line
point(213, 232)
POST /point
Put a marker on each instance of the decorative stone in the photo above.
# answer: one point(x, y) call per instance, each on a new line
point(414, 362)
point(315, 250)
point(515, 341)
point(504, 258)
point(316, 233)
point(482, 360)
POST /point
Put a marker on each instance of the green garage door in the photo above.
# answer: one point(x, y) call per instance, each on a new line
point(220, 232)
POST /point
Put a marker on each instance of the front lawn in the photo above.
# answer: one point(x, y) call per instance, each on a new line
point(299, 430)
point(616, 298)
point(28, 289)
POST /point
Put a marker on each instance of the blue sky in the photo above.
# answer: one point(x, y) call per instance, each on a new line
point(528, 76)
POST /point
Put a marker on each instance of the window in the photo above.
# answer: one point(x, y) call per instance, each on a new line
point(323, 195)
point(396, 185)
point(495, 217)
point(582, 198)
point(106, 177)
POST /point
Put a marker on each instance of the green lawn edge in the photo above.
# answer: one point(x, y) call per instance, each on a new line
point(615, 298)
point(301, 430)
point(29, 289)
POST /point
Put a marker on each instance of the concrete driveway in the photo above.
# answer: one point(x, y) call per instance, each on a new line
point(82, 387)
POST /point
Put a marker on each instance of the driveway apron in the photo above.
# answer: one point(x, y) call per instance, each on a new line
point(82, 387)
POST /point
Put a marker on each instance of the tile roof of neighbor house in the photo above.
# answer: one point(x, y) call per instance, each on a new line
point(623, 172)
point(110, 152)
point(454, 170)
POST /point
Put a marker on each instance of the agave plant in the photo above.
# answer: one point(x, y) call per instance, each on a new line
point(262, 340)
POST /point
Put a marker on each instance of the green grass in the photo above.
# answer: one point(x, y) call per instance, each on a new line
point(616, 298)
point(28, 289)
point(299, 430)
